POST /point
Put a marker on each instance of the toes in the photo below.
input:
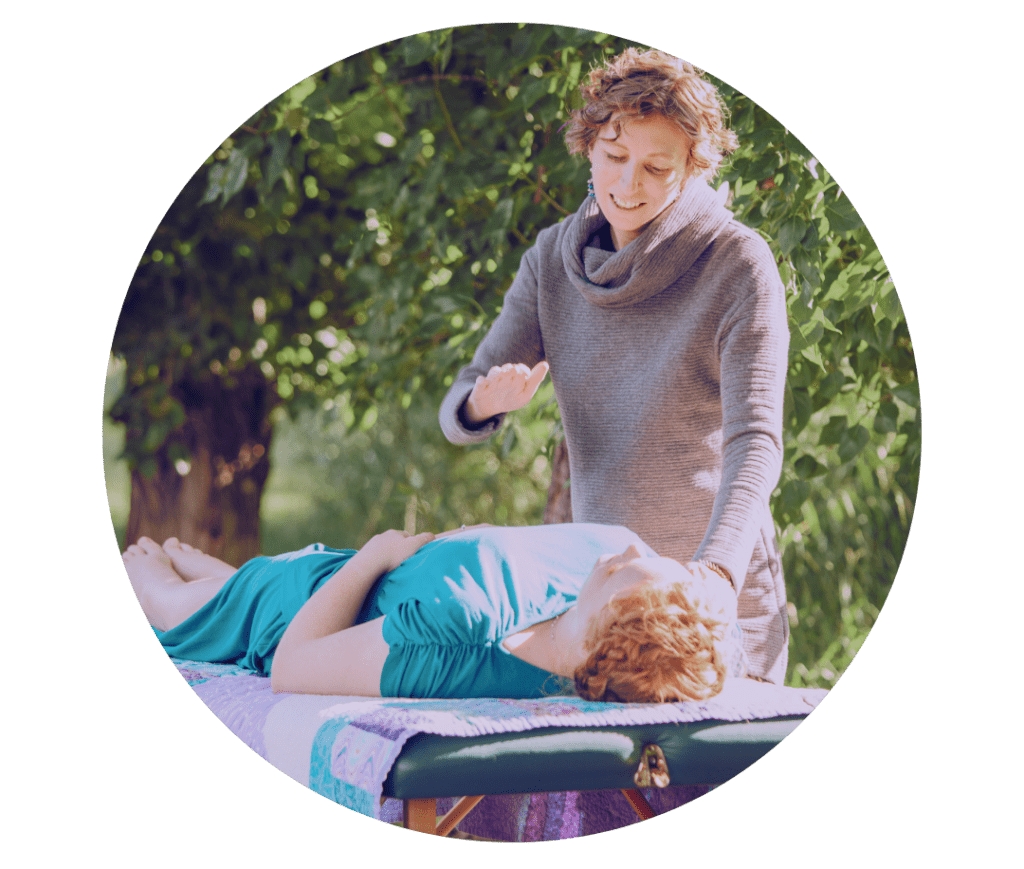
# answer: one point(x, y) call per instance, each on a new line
point(172, 543)
point(148, 545)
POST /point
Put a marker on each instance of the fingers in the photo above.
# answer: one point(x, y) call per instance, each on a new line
point(513, 369)
point(505, 388)
point(514, 378)
point(536, 377)
point(403, 536)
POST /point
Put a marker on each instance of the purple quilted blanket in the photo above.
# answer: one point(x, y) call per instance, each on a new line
point(344, 747)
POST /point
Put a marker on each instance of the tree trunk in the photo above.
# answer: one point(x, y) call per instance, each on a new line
point(559, 506)
point(213, 501)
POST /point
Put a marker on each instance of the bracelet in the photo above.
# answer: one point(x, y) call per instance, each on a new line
point(716, 568)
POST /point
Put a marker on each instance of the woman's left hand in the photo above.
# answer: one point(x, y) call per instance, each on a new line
point(708, 572)
point(390, 548)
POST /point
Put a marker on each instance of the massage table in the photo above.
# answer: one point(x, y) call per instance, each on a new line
point(400, 759)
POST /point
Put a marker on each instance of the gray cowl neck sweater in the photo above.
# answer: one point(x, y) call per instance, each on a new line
point(620, 279)
point(668, 359)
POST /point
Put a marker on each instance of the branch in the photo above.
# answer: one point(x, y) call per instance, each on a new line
point(447, 117)
point(435, 78)
point(543, 193)
point(384, 92)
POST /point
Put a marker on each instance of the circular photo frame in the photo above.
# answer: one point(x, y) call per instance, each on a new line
point(305, 307)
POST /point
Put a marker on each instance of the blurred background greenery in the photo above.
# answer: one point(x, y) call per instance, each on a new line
point(302, 307)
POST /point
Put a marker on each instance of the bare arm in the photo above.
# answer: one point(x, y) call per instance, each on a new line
point(322, 650)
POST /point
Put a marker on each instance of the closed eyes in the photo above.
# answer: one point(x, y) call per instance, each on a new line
point(654, 170)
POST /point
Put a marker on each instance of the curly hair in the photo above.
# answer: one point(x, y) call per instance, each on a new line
point(659, 643)
point(639, 84)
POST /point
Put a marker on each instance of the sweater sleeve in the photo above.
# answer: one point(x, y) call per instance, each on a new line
point(514, 337)
point(753, 347)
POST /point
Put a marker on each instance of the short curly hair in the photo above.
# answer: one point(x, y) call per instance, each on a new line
point(640, 84)
point(659, 643)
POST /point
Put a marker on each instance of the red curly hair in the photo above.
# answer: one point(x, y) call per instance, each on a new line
point(638, 84)
point(658, 643)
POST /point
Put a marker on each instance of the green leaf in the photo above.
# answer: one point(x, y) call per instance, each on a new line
point(235, 173)
point(886, 418)
point(795, 145)
point(280, 146)
point(852, 441)
point(793, 494)
point(809, 332)
point(790, 234)
point(808, 265)
point(322, 131)
point(908, 393)
point(813, 354)
point(531, 91)
point(214, 183)
point(498, 221)
point(445, 55)
point(841, 214)
point(509, 442)
point(316, 102)
point(807, 467)
point(572, 76)
point(421, 46)
point(834, 430)
point(829, 387)
point(803, 407)
point(889, 304)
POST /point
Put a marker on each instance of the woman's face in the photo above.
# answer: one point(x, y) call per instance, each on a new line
point(638, 172)
point(616, 574)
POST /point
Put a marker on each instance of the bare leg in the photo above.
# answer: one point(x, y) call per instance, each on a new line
point(192, 564)
point(167, 600)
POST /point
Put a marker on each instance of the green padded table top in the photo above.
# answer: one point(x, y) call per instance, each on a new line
point(579, 759)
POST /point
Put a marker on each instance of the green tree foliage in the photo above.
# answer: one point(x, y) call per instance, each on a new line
point(344, 250)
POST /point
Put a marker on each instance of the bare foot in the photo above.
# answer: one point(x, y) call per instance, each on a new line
point(193, 564)
point(150, 572)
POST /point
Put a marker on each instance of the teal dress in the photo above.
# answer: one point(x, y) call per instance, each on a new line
point(446, 609)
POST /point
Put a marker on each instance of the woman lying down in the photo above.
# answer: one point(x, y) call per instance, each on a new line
point(478, 612)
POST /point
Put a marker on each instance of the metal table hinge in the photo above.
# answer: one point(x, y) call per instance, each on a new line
point(652, 770)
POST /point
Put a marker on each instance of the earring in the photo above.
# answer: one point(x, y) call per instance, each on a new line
point(590, 188)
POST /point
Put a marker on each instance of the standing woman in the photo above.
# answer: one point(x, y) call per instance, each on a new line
point(663, 322)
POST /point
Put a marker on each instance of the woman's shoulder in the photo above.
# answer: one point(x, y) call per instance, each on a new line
point(740, 251)
point(739, 240)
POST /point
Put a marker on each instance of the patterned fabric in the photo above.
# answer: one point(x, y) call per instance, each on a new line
point(344, 747)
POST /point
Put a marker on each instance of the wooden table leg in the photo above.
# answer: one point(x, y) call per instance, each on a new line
point(462, 808)
point(639, 804)
point(420, 815)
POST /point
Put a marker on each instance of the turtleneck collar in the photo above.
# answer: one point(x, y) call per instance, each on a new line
point(654, 259)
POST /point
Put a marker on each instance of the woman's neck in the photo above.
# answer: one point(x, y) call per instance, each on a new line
point(553, 645)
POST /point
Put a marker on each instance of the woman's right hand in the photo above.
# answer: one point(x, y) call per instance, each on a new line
point(505, 388)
